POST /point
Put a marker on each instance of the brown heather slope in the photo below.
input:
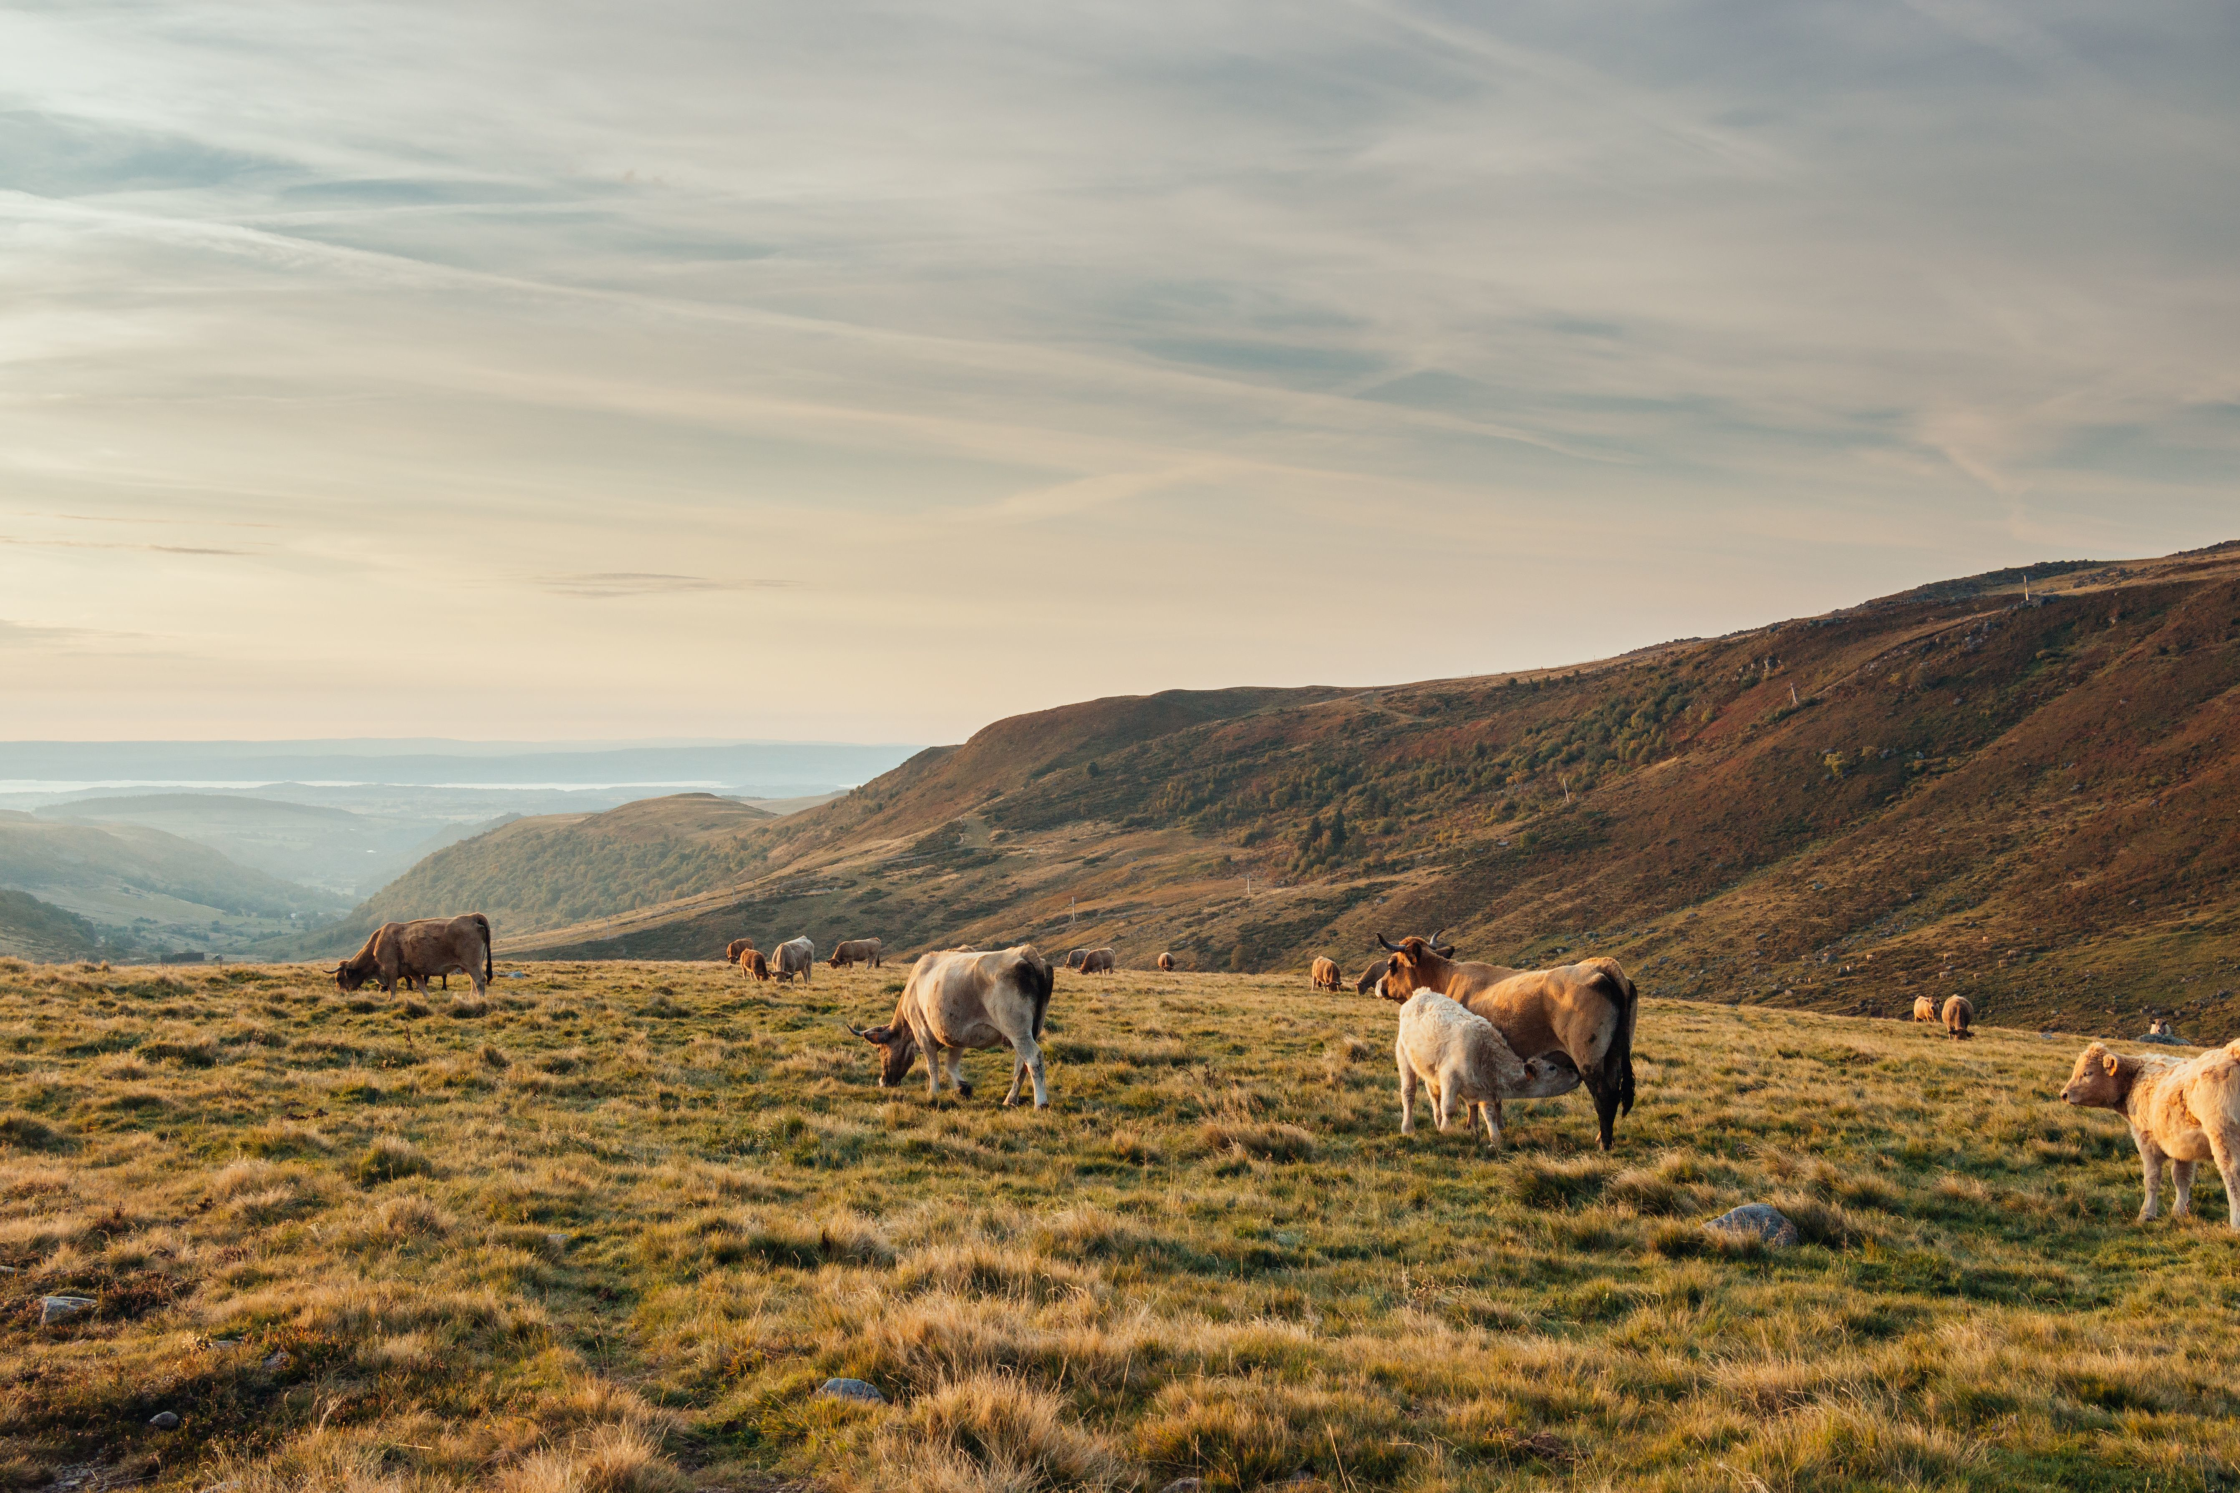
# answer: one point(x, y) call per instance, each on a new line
point(1951, 789)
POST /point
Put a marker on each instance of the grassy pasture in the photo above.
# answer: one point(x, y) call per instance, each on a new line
point(610, 1229)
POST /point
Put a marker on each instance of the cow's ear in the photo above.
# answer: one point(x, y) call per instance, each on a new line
point(2112, 1063)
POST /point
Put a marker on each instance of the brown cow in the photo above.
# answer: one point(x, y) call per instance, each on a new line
point(1166, 964)
point(853, 951)
point(1958, 1012)
point(795, 957)
point(1099, 961)
point(1370, 976)
point(753, 966)
point(736, 947)
point(1925, 1009)
point(955, 1001)
point(419, 950)
point(1323, 974)
point(1581, 1012)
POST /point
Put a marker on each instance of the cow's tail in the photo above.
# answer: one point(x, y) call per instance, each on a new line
point(1622, 1048)
point(1043, 980)
point(487, 968)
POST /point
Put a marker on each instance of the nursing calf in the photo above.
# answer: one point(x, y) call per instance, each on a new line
point(1458, 1055)
point(2180, 1110)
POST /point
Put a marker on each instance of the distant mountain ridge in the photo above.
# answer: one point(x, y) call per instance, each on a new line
point(547, 870)
point(2028, 798)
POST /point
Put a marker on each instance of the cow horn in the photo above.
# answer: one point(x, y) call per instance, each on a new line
point(1390, 946)
point(1437, 936)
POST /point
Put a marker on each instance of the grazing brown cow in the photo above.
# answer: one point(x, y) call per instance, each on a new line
point(1925, 1009)
point(736, 947)
point(1074, 958)
point(753, 966)
point(1323, 974)
point(853, 951)
point(1370, 976)
point(1958, 1012)
point(1099, 961)
point(417, 951)
point(2181, 1110)
point(1583, 1013)
point(955, 1001)
point(1166, 964)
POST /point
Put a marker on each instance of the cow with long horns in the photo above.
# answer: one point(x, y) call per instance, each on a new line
point(1581, 1014)
point(955, 1001)
point(419, 951)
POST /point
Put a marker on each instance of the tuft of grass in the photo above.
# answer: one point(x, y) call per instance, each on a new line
point(28, 1132)
point(389, 1158)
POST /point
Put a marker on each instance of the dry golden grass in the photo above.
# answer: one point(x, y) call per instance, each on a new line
point(611, 1228)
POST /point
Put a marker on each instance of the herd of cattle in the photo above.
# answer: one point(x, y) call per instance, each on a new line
point(1472, 1034)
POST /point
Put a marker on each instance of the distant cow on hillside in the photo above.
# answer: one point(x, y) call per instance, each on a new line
point(1959, 1014)
point(1166, 964)
point(1925, 1009)
point(1074, 958)
point(853, 951)
point(955, 1001)
point(795, 956)
point(1323, 974)
point(753, 966)
point(1099, 961)
point(736, 947)
point(417, 951)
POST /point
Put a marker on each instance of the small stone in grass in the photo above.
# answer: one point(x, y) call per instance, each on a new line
point(165, 1420)
point(1761, 1219)
point(62, 1308)
point(279, 1360)
point(852, 1389)
point(1185, 1485)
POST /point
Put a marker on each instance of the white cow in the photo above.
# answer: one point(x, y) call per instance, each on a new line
point(793, 958)
point(955, 1001)
point(1460, 1056)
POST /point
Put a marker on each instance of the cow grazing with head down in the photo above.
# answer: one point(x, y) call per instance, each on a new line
point(736, 947)
point(1959, 1014)
point(1459, 1056)
point(1074, 957)
point(753, 966)
point(853, 951)
point(1582, 1014)
point(794, 957)
point(955, 1001)
point(1166, 964)
point(1370, 977)
point(1323, 974)
point(1099, 961)
point(417, 951)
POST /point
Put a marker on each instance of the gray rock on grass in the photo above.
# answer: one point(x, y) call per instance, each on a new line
point(851, 1389)
point(165, 1420)
point(1761, 1220)
point(63, 1308)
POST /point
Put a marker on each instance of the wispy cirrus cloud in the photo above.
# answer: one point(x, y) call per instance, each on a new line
point(600, 584)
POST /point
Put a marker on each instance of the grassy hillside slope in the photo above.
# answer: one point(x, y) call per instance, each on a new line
point(2035, 800)
point(31, 929)
point(551, 869)
point(611, 1228)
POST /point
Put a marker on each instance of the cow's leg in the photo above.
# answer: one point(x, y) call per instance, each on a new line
point(956, 1073)
point(1442, 1098)
point(2224, 1150)
point(1026, 1063)
point(2181, 1188)
point(1493, 1129)
point(2150, 1164)
point(1407, 1092)
point(1607, 1092)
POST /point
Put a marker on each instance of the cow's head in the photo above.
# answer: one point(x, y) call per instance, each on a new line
point(2160, 1027)
point(347, 976)
point(1370, 977)
point(2100, 1080)
point(1411, 965)
point(897, 1050)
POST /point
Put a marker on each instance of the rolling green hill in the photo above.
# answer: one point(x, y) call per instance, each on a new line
point(2028, 798)
point(31, 929)
point(551, 869)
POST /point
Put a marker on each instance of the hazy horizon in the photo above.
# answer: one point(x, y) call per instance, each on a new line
point(851, 374)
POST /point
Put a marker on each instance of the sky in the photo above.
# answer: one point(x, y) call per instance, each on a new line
point(835, 372)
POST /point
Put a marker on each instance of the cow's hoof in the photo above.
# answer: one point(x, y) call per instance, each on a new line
point(964, 1091)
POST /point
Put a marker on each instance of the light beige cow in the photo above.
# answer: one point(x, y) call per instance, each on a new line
point(2181, 1110)
point(955, 1001)
point(1925, 1009)
point(1959, 1013)
point(1099, 961)
point(853, 951)
point(1461, 1059)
